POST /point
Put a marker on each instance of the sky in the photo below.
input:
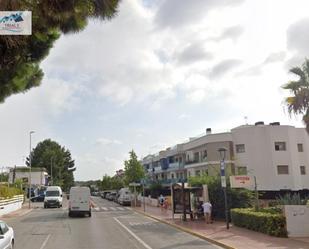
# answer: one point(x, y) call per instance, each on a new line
point(158, 73)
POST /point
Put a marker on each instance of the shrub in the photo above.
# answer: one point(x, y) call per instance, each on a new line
point(293, 199)
point(237, 198)
point(6, 192)
point(266, 221)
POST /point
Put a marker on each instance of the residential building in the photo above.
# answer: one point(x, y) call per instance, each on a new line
point(277, 155)
point(39, 176)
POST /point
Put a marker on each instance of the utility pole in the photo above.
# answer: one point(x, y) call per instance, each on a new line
point(30, 159)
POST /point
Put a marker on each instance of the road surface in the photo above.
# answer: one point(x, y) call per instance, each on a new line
point(111, 226)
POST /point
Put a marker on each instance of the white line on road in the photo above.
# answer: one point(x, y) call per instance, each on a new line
point(104, 208)
point(120, 208)
point(133, 234)
point(45, 242)
point(97, 209)
point(112, 208)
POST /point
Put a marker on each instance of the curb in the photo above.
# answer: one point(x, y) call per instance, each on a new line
point(15, 214)
point(187, 230)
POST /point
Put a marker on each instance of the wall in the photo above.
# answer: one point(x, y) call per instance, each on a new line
point(10, 205)
point(297, 220)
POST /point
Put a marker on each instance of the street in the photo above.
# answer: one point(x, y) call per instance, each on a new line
point(111, 226)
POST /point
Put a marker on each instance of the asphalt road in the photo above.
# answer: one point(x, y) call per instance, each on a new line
point(111, 226)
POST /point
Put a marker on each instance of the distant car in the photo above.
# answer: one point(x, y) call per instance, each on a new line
point(111, 196)
point(105, 194)
point(115, 199)
point(6, 236)
point(38, 198)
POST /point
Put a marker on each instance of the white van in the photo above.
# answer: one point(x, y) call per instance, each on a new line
point(125, 196)
point(80, 202)
point(53, 197)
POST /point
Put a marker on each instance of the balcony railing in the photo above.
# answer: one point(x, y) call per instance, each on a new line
point(176, 165)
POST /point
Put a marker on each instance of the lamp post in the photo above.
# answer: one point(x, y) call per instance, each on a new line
point(30, 159)
point(222, 152)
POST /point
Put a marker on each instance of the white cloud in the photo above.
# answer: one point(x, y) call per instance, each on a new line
point(105, 141)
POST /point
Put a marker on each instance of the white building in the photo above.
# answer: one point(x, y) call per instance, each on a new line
point(39, 176)
point(277, 155)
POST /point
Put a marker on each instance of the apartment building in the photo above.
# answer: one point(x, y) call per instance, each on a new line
point(277, 155)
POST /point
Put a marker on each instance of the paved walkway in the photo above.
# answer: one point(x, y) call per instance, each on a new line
point(235, 237)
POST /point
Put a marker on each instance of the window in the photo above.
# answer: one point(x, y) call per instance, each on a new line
point(283, 169)
point(240, 148)
point(242, 170)
point(204, 154)
point(300, 148)
point(177, 175)
point(302, 170)
point(280, 146)
point(172, 176)
point(189, 173)
point(196, 157)
point(197, 172)
point(180, 159)
point(3, 228)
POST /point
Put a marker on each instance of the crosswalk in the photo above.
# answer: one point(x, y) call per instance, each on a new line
point(107, 209)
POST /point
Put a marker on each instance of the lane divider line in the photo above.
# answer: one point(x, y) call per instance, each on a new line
point(45, 242)
point(133, 234)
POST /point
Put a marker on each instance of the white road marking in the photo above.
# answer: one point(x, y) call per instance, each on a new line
point(97, 209)
point(104, 208)
point(45, 242)
point(112, 208)
point(128, 208)
point(120, 208)
point(133, 234)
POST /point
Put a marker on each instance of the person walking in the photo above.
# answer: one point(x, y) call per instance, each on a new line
point(207, 211)
point(161, 201)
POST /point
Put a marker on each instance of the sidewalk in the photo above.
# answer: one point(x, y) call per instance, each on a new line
point(235, 237)
point(20, 212)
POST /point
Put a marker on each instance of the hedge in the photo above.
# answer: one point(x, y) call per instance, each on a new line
point(6, 192)
point(265, 222)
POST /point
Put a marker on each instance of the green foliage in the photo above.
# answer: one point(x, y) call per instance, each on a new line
point(109, 183)
point(20, 56)
point(9, 192)
point(298, 103)
point(49, 153)
point(263, 221)
point(133, 169)
point(4, 177)
point(237, 198)
point(292, 199)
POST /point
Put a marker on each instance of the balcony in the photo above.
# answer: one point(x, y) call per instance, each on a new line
point(176, 165)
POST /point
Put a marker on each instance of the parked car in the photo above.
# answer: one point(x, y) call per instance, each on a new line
point(115, 199)
point(125, 196)
point(105, 193)
point(80, 202)
point(53, 197)
point(6, 236)
point(39, 198)
point(111, 196)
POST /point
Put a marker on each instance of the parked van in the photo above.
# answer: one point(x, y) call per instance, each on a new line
point(53, 197)
point(79, 202)
point(125, 196)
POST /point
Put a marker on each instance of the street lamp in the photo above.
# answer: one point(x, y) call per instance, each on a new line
point(30, 159)
point(222, 152)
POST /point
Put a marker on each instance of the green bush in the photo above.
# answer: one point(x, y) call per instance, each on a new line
point(263, 221)
point(6, 192)
point(292, 199)
point(237, 198)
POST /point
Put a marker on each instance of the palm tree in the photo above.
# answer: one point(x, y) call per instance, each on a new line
point(298, 103)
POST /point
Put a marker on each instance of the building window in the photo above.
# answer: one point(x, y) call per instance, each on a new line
point(196, 157)
point(177, 175)
point(181, 175)
point(300, 148)
point(280, 146)
point(180, 159)
point(204, 154)
point(283, 169)
point(172, 176)
point(240, 148)
point(302, 170)
point(197, 172)
point(242, 170)
point(189, 173)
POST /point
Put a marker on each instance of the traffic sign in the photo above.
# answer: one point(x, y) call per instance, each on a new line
point(223, 181)
point(241, 181)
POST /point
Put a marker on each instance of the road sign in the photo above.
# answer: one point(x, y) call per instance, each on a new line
point(134, 184)
point(223, 181)
point(241, 181)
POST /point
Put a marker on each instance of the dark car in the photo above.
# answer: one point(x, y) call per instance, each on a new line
point(39, 198)
point(111, 196)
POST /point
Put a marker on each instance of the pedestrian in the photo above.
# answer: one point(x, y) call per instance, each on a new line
point(165, 204)
point(161, 201)
point(207, 211)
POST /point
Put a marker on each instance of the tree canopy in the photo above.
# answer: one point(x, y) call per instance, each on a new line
point(56, 160)
point(298, 103)
point(20, 56)
point(133, 169)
